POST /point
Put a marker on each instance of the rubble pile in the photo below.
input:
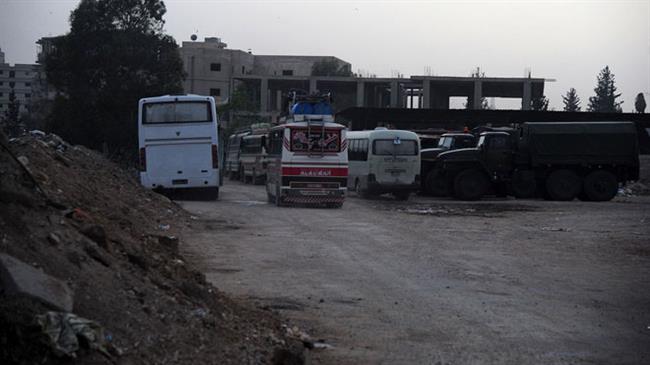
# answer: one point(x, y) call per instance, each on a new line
point(90, 271)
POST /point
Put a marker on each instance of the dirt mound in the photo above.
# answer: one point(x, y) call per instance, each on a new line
point(85, 221)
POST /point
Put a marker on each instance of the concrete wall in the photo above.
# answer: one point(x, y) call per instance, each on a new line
point(201, 78)
point(298, 65)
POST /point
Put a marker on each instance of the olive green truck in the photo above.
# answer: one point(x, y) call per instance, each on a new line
point(557, 161)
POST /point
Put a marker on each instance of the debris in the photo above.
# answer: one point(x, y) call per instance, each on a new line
point(164, 227)
point(554, 229)
point(54, 239)
point(77, 214)
point(93, 251)
point(96, 233)
point(67, 332)
point(37, 133)
point(23, 160)
point(19, 277)
point(170, 242)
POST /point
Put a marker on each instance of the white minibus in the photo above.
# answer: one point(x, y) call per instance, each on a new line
point(384, 161)
point(179, 143)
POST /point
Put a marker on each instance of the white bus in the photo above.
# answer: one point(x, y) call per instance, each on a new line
point(384, 161)
point(232, 168)
point(179, 143)
point(307, 160)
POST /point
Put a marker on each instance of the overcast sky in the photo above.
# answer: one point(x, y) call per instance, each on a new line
point(569, 41)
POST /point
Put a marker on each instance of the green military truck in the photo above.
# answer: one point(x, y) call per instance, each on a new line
point(430, 183)
point(559, 161)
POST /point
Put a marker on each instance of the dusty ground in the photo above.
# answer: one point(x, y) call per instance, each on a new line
point(81, 219)
point(440, 281)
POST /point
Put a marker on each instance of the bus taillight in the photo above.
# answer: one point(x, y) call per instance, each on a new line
point(215, 157)
point(143, 159)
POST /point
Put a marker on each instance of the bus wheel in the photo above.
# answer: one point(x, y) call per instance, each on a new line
point(402, 195)
point(358, 190)
point(212, 193)
point(278, 198)
point(470, 184)
point(563, 185)
point(600, 186)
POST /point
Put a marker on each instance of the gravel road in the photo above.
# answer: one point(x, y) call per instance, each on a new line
point(433, 281)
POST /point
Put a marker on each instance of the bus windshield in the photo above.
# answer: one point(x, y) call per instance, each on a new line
point(302, 141)
point(177, 112)
point(389, 147)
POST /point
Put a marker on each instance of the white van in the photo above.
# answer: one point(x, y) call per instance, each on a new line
point(384, 161)
point(179, 143)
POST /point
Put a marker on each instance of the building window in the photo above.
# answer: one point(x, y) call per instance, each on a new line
point(28, 95)
point(215, 67)
point(243, 70)
point(26, 73)
point(2, 94)
point(287, 72)
point(1, 83)
point(12, 84)
point(28, 84)
point(215, 92)
point(12, 73)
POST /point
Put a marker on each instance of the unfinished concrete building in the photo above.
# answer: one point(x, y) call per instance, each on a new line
point(215, 70)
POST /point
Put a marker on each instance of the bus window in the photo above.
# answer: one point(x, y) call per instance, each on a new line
point(177, 112)
point(388, 147)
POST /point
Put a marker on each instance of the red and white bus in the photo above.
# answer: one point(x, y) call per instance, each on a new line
point(307, 161)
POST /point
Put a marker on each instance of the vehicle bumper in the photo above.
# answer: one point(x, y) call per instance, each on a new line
point(167, 182)
point(381, 188)
point(311, 196)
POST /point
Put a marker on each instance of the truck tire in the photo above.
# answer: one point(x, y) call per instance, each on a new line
point(523, 184)
point(470, 184)
point(600, 186)
point(402, 195)
point(436, 184)
point(563, 185)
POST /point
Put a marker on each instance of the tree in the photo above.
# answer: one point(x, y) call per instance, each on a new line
point(605, 99)
point(639, 103)
point(330, 67)
point(539, 104)
point(114, 55)
point(571, 101)
point(11, 122)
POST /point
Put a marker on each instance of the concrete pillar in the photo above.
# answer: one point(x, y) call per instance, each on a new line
point(278, 100)
point(527, 92)
point(264, 95)
point(478, 94)
point(361, 93)
point(394, 94)
point(426, 94)
point(312, 85)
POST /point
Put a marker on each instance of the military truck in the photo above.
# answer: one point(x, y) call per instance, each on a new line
point(559, 161)
point(431, 183)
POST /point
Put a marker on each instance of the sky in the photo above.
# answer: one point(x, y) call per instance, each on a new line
point(566, 41)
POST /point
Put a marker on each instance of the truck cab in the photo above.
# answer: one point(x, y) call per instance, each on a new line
point(429, 156)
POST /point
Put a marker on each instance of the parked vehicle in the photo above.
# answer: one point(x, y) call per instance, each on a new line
point(307, 156)
point(431, 183)
point(384, 161)
point(563, 161)
point(232, 155)
point(253, 157)
point(179, 143)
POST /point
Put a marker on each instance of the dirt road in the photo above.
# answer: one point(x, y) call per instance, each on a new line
point(439, 281)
